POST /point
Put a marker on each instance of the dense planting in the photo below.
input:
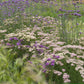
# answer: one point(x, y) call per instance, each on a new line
point(41, 42)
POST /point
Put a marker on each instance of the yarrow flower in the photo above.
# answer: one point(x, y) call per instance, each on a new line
point(63, 70)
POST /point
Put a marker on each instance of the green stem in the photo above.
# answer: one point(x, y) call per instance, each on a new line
point(51, 76)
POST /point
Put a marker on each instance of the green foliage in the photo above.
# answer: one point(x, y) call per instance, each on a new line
point(18, 71)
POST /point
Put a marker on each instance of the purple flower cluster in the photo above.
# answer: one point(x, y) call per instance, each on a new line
point(60, 14)
point(11, 7)
point(40, 51)
point(14, 41)
point(56, 57)
point(60, 9)
point(13, 38)
point(36, 1)
point(51, 61)
point(74, 4)
point(76, 14)
point(39, 48)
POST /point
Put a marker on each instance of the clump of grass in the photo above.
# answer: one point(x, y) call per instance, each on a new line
point(18, 70)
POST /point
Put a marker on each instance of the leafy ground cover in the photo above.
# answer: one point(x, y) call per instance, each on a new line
point(41, 42)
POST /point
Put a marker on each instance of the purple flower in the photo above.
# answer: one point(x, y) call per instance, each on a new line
point(77, 24)
point(52, 64)
point(30, 62)
point(70, 11)
point(60, 9)
point(10, 38)
point(77, 14)
point(46, 47)
point(53, 55)
point(35, 45)
point(48, 22)
point(15, 38)
point(47, 63)
point(18, 7)
point(51, 2)
point(80, 32)
point(9, 14)
point(71, 27)
point(60, 15)
point(53, 61)
point(41, 46)
point(57, 57)
point(44, 66)
point(48, 0)
point(78, 11)
point(56, 4)
point(8, 44)
point(36, 15)
point(44, 70)
point(22, 9)
point(49, 59)
point(74, 4)
point(28, 46)
point(40, 50)
point(18, 43)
